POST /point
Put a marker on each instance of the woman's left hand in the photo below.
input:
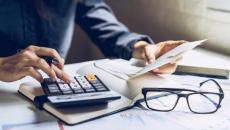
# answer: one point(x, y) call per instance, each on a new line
point(150, 52)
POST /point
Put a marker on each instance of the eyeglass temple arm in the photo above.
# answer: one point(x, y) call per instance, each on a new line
point(217, 84)
point(217, 105)
point(219, 87)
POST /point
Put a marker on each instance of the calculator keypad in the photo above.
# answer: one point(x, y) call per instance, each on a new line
point(82, 84)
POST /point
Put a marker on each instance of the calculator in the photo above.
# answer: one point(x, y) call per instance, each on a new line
point(84, 90)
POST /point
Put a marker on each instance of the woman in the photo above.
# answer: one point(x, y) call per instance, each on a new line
point(31, 29)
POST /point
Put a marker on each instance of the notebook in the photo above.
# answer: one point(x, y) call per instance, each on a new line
point(127, 81)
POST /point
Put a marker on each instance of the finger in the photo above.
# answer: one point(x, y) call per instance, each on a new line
point(61, 74)
point(44, 51)
point(149, 52)
point(172, 44)
point(30, 71)
point(63, 62)
point(166, 69)
point(167, 46)
point(175, 43)
point(40, 63)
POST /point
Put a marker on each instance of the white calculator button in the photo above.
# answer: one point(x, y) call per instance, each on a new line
point(75, 85)
point(64, 87)
point(84, 83)
point(88, 85)
point(79, 78)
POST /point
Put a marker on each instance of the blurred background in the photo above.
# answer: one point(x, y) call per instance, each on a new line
point(165, 20)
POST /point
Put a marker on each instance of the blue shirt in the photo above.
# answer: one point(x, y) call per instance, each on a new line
point(22, 23)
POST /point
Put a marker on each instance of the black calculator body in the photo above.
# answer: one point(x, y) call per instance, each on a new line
point(84, 90)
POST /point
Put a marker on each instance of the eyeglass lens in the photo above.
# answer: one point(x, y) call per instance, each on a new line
point(164, 101)
point(203, 103)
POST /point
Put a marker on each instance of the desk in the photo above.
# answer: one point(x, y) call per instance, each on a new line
point(18, 113)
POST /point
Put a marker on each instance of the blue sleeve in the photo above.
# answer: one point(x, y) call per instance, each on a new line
point(112, 37)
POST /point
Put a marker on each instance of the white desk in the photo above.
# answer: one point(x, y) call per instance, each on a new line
point(18, 113)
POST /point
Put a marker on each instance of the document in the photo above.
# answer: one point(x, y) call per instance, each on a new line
point(127, 70)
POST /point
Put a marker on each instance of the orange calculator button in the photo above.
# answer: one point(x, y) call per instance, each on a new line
point(91, 77)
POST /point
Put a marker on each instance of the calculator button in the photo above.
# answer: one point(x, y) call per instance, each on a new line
point(80, 78)
point(64, 87)
point(94, 81)
point(87, 85)
point(80, 90)
point(67, 92)
point(49, 81)
point(90, 89)
point(52, 87)
point(54, 91)
point(91, 77)
point(98, 84)
point(74, 85)
point(59, 81)
point(83, 82)
point(101, 89)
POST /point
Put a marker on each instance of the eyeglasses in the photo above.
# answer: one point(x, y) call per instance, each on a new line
point(199, 102)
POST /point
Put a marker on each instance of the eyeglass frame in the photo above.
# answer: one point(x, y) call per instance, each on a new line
point(218, 105)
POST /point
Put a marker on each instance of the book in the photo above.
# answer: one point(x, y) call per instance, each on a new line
point(126, 78)
point(205, 63)
point(205, 71)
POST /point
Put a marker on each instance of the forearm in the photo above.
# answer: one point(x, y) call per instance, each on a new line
point(112, 37)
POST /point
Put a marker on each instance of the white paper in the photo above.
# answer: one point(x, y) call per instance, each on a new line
point(170, 56)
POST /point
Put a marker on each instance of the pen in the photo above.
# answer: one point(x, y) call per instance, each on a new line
point(50, 60)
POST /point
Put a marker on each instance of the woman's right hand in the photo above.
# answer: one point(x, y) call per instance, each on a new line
point(28, 61)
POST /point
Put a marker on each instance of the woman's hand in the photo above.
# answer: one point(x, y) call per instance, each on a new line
point(28, 61)
point(150, 52)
